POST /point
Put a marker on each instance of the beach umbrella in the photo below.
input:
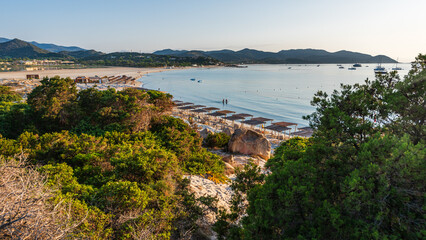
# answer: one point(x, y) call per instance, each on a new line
point(183, 104)
point(199, 110)
point(198, 106)
point(209, 109)
point(304, 132)
point(186, 107)
point(277, 128)
point(234, 117)
point(253, 122)
point(262, 119)
point(286, 124)
point(244, 115)
point(216, 114)
point(226, 111)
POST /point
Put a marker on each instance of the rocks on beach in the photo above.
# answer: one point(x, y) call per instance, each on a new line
point(228, 131)
point(247, 141)
point(205, 132)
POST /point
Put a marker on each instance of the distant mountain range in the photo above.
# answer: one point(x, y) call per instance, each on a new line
point(299, 56)
point(49, 46)
point(20, 49)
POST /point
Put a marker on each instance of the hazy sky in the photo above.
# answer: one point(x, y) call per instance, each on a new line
point(396, 28)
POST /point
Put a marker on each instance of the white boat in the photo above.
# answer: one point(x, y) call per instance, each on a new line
point(351, 68)
point(341, 67)
point(380, 70)
point(396, 68)
point(241, 66)
point(356, 65)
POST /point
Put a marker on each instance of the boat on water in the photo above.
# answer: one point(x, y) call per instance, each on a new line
point(241, 66)
point(236, 65)
point(199, 81)
point(357, 65)
point(341, 67)
point(396, 68)
point(192, 79)
point(380, 70)
point(351, 68)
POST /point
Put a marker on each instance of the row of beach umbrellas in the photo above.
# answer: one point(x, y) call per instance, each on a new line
point(253, 121)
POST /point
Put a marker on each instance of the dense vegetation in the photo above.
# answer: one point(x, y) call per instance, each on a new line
point(109, 165)
point(361, 176)
point(113, 159)
point(144, 60)
point(292, 56)
point(217, 140)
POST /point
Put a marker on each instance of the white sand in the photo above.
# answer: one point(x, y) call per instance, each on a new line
point(88, 72)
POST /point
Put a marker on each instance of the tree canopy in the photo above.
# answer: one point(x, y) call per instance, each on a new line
point(114, 158)
point(361, 176)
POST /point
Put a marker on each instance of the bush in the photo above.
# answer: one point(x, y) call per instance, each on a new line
point(7, 95)
point(121, 196)
point(217, 140)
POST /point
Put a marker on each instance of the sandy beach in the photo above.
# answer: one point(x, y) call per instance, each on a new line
point(89, 72)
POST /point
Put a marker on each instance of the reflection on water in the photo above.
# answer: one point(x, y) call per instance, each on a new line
point(281, 92)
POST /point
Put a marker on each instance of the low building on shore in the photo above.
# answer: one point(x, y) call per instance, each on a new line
point(33, 76)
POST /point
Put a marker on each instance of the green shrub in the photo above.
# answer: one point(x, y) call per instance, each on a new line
point(7, 95)
point(121, 196)
point(217, 140)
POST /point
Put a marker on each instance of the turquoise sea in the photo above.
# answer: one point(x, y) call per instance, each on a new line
point(281, 92)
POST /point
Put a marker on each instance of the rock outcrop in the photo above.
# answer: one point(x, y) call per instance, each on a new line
point(228, 159)
point(228, 131)
point(249, 142)
point(205, 132)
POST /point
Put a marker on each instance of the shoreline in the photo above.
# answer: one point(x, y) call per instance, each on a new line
point(19, 81)
point(90, 72)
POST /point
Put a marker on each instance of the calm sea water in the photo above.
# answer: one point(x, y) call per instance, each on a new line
point(280, 92)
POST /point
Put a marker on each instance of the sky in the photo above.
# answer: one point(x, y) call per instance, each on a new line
point(396, 28)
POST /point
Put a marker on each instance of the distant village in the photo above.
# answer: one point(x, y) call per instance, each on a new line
point(33, 65)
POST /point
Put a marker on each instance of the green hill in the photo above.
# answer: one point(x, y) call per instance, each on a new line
point(20, 49)
point(284, 56)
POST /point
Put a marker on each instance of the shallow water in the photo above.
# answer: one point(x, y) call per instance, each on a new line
point(281, 92)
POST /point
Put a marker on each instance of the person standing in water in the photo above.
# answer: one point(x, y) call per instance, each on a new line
point(223, 101)
point(226, 101)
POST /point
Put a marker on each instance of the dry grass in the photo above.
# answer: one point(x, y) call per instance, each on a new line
point(26, 207)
